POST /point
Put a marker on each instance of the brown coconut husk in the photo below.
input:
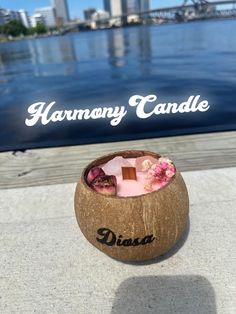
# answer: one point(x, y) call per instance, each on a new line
point(133, 228)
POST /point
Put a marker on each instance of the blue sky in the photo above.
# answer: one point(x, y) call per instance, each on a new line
point(75, 6)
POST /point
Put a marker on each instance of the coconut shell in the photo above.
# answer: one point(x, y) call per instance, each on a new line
point(132, 228)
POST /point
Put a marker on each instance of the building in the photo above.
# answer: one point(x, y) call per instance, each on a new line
point(2, 14)
point(144, 5)
point(9, 15)
point(100, 15)
point(61, 10)
point(100, 19)
point(130, 6)
point(48, 14)
point(135, 6)
point(88, 13)
point(36, 19)
point(25, 18)
point(113, 7)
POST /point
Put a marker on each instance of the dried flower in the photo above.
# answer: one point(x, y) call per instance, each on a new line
point(148, 187)
point(146, 165)
point(94, 173)
point(105, 184)
point(161, 172)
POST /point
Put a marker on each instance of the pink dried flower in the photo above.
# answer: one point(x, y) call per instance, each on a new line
point(161, 172)
point(164, 165)
point(151, 173)
point(170, 173)
point(105, 184)
point(171, 168)
point(94, 173)
point(156, 172)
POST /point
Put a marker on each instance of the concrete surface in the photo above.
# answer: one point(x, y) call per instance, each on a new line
point(47, 266)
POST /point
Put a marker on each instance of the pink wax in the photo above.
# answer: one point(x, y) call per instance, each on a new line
point(133, 187)
point(150, 174)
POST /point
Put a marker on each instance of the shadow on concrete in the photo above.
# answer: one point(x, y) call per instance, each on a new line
point(165, 295)
point(168, 254)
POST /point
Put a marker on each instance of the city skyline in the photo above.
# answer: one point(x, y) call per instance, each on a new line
point(75, 8)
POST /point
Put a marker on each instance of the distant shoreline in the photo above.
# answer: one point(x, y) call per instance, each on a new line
point(4, 39)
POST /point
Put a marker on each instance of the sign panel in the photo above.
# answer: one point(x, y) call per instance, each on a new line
point(117, 84)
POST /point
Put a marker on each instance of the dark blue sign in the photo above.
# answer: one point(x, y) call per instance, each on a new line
point(120, 84)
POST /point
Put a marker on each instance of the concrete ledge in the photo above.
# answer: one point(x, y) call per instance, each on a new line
point(47, 266)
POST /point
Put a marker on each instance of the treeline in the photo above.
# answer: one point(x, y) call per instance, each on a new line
point(16, 28)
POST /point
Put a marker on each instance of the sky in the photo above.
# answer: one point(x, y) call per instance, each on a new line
point(75, 6)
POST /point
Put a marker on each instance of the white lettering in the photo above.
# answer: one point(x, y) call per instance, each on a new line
point(141, 103)
point(203, 106)
point(36, 112)
point(40, 112)
point(118, 116)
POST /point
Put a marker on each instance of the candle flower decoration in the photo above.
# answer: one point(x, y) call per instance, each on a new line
point(104, 184)
point(94, 173)
point(160, 172)
point(145, 174)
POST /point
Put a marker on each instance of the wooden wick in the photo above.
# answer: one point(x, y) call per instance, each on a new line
point(129, 173)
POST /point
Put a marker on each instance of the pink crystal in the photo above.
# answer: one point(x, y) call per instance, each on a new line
point(93, 173)
point(105, 184)
point(113, 167)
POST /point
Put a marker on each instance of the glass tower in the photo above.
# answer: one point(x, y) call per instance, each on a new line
point(62, 12)
point(113, 7)
point(144, 5)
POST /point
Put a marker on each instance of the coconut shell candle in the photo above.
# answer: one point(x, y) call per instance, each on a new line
point(132, 205)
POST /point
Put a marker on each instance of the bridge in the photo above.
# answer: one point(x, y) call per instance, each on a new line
point(195, 10)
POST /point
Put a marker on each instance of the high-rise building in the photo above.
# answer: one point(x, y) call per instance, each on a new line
point(88, 13)
point(2, 13)
point(129, 6)
point(62, 12)
point(113, 7)
point(144, 5)
point(48, 14)
point(25, 18)
point(135, 6)
point(10, 15)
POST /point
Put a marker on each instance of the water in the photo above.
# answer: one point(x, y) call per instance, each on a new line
point(105, 68)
